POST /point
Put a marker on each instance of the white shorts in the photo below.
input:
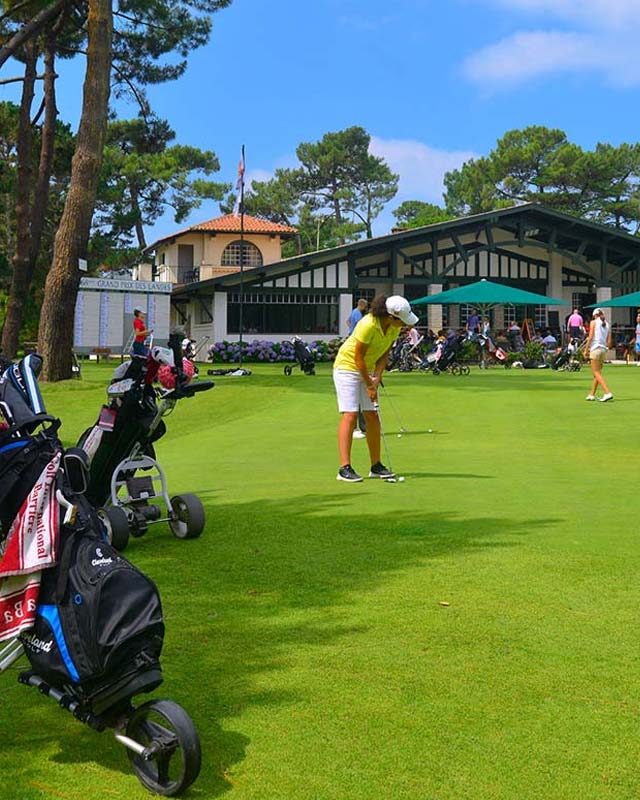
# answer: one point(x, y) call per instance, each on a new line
point(351, 391)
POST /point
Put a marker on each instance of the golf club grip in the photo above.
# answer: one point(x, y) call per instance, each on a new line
point(201, 386)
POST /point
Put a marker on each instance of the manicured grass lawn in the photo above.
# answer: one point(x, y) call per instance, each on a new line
point(307, 631)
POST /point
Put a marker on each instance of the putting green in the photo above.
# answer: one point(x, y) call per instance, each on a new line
point(469, 633)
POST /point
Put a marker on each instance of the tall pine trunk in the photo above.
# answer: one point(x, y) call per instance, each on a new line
point(19, 287)
point(30, 213)
point(55, 335)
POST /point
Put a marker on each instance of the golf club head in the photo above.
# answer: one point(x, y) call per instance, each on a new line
point(390, 480)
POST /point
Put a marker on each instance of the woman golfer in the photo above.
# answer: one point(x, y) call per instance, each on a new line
point(597, 345)
point(357, 371)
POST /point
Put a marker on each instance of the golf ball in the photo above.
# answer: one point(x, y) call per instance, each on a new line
point(399, 436)
point(401, 479)
point(430, 430)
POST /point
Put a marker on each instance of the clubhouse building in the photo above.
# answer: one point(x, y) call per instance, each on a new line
point(527, 246)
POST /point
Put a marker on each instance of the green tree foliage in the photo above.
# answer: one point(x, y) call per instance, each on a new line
point(541, 165)
point(142, 176)
point(416, 213)
point(331, 198)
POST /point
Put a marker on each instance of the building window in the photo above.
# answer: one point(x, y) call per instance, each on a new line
point(231, 255)
point(283, 313)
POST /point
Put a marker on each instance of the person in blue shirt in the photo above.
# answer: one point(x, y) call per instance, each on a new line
point(356, 315)
point(354, 318)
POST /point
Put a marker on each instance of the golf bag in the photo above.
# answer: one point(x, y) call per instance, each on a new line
point(90, 623)
point(405, 355)
point(304, 358)
point(568, 358)
point(489, 348)
point(132, 420)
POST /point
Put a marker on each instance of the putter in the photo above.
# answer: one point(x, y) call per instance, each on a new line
point(395, 411)
point(376, 408)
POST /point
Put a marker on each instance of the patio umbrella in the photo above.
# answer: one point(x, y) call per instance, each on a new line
point(624, 301)
point(484, 294)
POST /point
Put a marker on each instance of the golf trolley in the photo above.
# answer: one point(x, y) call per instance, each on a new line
point(88, 621)
point(304, 358)
point(124, 474)
point(162, 742)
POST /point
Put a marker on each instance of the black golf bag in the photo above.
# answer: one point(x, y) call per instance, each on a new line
point(90, 622)
point(568, 357)
point(304, 358)
point(446, 356)
point(132, 418)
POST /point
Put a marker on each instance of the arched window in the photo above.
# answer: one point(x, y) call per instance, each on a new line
point(231, 255)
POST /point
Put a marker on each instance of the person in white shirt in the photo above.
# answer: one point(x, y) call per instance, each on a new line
point(597, 345)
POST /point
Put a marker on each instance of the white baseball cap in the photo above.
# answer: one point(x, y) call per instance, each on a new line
point(399, 307)
point(140, 310)
point(596, 312)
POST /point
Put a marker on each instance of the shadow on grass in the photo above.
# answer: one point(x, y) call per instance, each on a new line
point(269, 584)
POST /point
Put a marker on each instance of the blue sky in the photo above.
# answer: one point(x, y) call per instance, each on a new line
point(433, 82)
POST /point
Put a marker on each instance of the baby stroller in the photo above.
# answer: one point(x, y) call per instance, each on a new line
point(87, 620)
point(304, 357)
point(120, 446)
point(405, 355)
point(445, 357)
point(568, 359)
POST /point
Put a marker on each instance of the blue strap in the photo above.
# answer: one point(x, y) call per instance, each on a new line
point(13, 445)
point(52, 616)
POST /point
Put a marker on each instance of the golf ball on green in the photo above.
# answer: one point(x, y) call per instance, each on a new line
point(401, 479)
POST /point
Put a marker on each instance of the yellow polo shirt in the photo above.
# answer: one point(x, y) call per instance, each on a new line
point(368, 331)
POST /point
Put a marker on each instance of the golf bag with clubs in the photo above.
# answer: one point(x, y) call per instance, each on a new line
point(304, 358)
point(88, 621)
point(120, 446)
point(568, 359)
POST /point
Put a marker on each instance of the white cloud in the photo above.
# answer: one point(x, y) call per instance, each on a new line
point(603, 42)
point(421, 168)
point(611, 14)
point(537, 53)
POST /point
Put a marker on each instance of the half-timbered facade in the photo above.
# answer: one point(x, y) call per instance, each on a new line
point(527, 246)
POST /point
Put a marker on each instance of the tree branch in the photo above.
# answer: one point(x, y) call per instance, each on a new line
point(31, 29)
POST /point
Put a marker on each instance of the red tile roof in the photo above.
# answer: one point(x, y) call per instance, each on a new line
point(231, 224)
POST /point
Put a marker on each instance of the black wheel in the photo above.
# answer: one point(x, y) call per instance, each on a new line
point(455, 370)
point(435, 371)
point(465, 370)
point(116, 525)
point(166, 730)
point(188, 512)
point(288, 369)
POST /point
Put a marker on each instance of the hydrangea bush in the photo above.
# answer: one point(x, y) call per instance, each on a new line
point(264, 351)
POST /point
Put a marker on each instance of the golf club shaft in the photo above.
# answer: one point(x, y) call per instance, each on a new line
point(395, 411)
point(384, 438)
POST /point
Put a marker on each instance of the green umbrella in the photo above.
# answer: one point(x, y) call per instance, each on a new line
point(484, 294)
point(624, 301)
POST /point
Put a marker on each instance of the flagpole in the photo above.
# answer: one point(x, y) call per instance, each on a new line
point(241, 251)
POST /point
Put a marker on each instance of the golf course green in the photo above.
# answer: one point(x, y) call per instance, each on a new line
point(469, 634)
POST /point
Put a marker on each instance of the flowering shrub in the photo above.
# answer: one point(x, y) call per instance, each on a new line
point(264, 351)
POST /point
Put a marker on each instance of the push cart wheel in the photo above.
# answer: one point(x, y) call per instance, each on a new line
point(455, 370)
point(187, 514)
point(288, 369)
point(465, 370)
point(166, 731)
point(116, 525)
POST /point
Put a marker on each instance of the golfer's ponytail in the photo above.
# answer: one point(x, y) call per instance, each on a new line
point(379, 306)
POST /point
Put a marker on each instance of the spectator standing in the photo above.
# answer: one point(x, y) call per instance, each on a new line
point(360, 431)
point(637, 342)
point(140, 333)
point(356, 315)
point(473, 324)
point(575, 325)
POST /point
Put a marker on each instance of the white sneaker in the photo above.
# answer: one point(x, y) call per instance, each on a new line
point(358, 434)
point(590, 397)
point(606, 397)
